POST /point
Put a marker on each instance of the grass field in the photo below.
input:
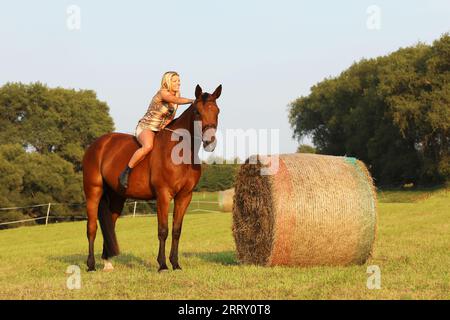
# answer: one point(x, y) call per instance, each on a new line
point(412, 251)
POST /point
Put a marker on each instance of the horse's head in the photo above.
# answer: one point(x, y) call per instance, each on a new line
point(207, 112)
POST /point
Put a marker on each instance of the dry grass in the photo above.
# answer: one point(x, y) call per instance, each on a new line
point(226, 200)
point(315, 210)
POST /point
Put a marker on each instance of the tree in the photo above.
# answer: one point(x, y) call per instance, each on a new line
point(304, 148)
point(392, 112)
point(44, 134)
point(217, 177)
point(60, 121)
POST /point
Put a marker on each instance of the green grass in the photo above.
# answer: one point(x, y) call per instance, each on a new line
point(201, 202)
point(412, 250)
point(205, 196)
point(406, 195)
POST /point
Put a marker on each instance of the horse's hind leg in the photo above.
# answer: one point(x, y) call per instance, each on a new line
point(110, 249)
point(93, 196)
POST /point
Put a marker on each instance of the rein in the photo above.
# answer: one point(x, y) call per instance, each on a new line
point(181, 135)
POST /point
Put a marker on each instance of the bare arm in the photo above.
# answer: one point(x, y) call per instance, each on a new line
point(166, 96)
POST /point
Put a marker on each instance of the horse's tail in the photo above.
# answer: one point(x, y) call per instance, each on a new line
point(110, 245)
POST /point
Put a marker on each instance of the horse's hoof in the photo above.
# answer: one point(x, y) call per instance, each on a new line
point(108, 266)
point(108, 269)
point(163, 269)
point(91, 269)
point(175, 268)
point(90, 263)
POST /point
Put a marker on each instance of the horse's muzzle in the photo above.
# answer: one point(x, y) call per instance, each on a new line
point(209, 146)
point(209, 140)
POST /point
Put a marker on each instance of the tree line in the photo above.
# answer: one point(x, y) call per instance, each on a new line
point(392, 112)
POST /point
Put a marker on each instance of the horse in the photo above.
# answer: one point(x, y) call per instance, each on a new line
point(156, 177)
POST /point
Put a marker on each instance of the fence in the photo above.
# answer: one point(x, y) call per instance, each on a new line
point(150, 206)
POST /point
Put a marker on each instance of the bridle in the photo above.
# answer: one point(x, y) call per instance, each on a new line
point(196, 115)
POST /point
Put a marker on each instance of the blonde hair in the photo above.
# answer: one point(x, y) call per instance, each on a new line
point(165, 81)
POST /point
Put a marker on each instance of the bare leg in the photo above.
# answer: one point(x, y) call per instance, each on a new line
point(145, 138)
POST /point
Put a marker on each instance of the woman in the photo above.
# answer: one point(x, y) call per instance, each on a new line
point(160, 113)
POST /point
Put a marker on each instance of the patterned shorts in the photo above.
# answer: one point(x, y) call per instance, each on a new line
point(140, 128)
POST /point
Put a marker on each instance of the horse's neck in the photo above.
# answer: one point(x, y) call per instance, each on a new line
point(186, 122)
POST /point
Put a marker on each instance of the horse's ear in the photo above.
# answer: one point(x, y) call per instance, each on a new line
point(217, 92)
point(198, 91)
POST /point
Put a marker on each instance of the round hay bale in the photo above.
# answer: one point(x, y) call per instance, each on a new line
point(312, 210)
point(226, 200)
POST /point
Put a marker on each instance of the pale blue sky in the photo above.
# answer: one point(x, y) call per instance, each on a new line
point(264, 53)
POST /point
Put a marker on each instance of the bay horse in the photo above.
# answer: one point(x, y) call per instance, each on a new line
point(156, 177)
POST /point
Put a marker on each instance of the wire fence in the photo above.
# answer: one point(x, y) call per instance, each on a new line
point(57, 212)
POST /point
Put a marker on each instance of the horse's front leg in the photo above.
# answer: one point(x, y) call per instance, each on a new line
point(162, 204)
point(182, 201)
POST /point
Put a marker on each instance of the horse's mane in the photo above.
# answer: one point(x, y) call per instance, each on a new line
point(189, 110)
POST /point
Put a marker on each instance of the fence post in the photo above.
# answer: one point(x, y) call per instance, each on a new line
point(134, 210)
point(48, 212)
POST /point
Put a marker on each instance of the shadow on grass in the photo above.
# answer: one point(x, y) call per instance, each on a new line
point(226, 258)
point(124, 259)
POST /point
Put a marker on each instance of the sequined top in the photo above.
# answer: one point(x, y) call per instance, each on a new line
point(158, 114)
